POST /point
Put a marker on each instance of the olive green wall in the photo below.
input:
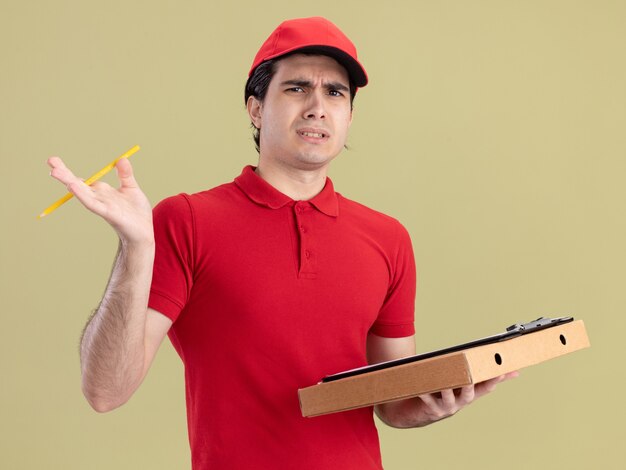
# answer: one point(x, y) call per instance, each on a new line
point(494, 130)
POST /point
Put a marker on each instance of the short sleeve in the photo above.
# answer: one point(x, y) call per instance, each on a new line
point(397, 315)
point(172, 276)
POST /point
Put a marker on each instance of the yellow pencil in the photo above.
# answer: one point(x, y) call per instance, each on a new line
point(92, 179)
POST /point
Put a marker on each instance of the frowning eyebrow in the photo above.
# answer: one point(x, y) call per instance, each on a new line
point(338, 86)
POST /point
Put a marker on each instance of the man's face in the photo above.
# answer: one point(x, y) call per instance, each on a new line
point(305, 116)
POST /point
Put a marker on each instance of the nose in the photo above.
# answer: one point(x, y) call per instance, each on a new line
point(314, 108)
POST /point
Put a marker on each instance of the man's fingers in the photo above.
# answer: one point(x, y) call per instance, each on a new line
point(62, 173)
point(467, 395)
point(437, 406)
point(488, 386)
point(74, 185)
point(59, 171)
point(126, 209)
point(125, 174)
point(448, 399)
point(430, 401)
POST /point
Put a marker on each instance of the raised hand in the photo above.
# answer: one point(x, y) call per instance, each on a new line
point(126, 208)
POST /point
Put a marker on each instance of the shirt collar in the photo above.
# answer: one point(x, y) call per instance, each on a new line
point(264, 194)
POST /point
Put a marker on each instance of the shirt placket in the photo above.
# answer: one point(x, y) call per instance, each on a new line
point(307, 262)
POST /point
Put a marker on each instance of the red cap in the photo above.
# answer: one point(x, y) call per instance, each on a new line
point(315, 34)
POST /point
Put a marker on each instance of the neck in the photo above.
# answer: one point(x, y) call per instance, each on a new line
point(299, 185)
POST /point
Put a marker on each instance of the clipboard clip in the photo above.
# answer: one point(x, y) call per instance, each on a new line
point(539, 323)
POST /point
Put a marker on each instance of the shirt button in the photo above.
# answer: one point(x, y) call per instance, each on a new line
point(303, 228)
point(307, 253)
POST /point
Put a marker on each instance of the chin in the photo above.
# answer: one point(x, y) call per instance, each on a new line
point(318, 158)
point(315, 160)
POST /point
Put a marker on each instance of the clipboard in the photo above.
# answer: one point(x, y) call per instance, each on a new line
point(521, 345)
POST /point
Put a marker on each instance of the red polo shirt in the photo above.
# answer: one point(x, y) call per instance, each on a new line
point(269, 295)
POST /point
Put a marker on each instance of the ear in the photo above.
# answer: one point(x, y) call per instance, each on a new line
point(350, 121)
point(254, 111)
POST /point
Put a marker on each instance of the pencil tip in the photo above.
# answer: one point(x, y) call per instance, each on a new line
point(42, 215)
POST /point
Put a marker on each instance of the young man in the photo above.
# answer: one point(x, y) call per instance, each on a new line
point(266, 284)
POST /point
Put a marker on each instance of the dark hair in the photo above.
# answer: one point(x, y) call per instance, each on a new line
point(259, 82)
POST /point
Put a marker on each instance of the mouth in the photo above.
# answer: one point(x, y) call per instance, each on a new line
point(313, 134)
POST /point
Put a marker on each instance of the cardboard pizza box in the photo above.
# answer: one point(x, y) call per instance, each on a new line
point(451, 370)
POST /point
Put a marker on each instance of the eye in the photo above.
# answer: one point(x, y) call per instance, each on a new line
point(335, 93)
point(296, 89)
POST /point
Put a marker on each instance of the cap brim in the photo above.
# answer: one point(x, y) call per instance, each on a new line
point(354, 68)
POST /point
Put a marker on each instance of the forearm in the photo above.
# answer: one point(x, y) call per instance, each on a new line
point(112, 351)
